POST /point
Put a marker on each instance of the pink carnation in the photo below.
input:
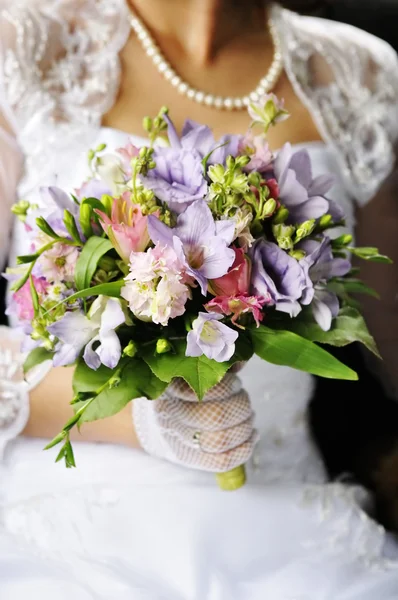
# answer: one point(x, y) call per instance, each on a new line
point(156, 288)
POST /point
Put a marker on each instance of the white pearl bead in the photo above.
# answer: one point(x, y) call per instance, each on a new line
point(238, 103)
point(175, 82)
point(265, 85)
point(183, 88)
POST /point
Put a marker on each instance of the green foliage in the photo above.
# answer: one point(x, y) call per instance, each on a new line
point(93, 250)
point(281, 347)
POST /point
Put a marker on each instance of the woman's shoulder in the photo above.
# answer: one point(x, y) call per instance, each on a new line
point(60, 55)
point(348, 79)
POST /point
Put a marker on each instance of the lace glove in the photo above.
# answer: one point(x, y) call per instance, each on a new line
point(14, 391)
point(214, 435)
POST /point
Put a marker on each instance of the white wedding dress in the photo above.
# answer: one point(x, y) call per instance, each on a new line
point(126, 526)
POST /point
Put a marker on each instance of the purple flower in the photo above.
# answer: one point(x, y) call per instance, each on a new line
point(199, 138)
point(211, 338)
point(75, 331)
point(200, 243)
point(321, 262)
point(177, 178)
point(322, 266)
point(302, 195)
point(278, 275)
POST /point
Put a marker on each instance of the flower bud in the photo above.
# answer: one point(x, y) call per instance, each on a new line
point(114, 381)
point(268, 208)
point(281, 215)
point(254, 179)
point(305, 229)
point(100, 147)
point(163, 346)
point(297, 254)
point(325, 221)
point(147, 124)
point(343, 240)
point(131, 349)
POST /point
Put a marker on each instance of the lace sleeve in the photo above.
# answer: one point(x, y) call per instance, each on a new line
point(348, 79)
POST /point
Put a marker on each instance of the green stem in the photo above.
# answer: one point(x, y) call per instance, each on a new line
point(232, 480)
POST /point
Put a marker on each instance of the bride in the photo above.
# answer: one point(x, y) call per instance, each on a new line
point(129, 524)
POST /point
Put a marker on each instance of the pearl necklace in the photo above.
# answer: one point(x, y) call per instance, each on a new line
point(223, 103)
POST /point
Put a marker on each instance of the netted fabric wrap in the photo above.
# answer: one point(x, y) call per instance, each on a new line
point(214, 435)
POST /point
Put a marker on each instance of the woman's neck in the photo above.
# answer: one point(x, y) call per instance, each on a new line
point(201, 27)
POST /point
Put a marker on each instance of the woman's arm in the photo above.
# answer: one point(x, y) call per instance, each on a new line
point(50, 409)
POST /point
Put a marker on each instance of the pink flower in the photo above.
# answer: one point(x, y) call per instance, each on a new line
point(58, 263)
point(127, 227)
point(128, 153)
point(238, 306)
point(237, 281)
point(22, 299)
point(156, 288)
point(257, 148)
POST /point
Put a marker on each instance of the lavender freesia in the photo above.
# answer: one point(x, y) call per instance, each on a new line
point(277, 275)
point(75, 331)
point(301, 193)
point(321, 267)
point(201, 244)
point(211, 338)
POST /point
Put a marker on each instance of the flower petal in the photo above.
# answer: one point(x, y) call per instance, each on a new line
point(196, 225)
point(112, 317)
point(159, 232)
point(110, 349)
point(74, 329)
point(91, 356)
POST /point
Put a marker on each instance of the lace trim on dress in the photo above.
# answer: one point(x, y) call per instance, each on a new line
point(61, 74)
point(348, 79)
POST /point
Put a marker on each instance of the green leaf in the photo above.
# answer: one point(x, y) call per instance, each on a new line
point(286, 348)
point(21, 282)
point(200, 373)
point(371, 254)
point(34, 296)
point(94, 203)
point(86, 265)
point(137, 380)
point(342, 287)
point(111, 289)
point(24, 259)
point(36, 357)
point(348, 327)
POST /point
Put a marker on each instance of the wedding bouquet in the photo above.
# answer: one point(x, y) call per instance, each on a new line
point(183, 257)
